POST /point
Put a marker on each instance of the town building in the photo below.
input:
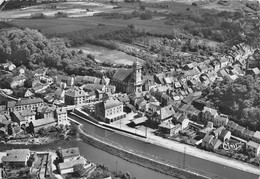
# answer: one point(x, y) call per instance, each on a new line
point(61, 116)
point(45, 112)
point(70, 154)
point(24, 104)
point(224, 135)
point(68, 167)
point(209, 114)
point(256, 137)
point(254, 147)
point(220, 120)
point(109, 110)
point(40, 123)
point(128, 80)
point(169, 129)
point(16, 157)
point(75, 96)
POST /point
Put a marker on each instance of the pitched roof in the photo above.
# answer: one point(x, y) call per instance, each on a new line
point(212, 111)
point(207, 138)
point(123, 75)
point(61, 110)
point(166, 125)
point(29, 101)
point(253, 144)
point(111, 103)
point(27, 112)
point(223, 133)
point(167, 112)
point(257, 135)
point(75, 92)
point(16, 155)
point(70, 152)
point(90, 79)
point(43, 122)
point(70, 164)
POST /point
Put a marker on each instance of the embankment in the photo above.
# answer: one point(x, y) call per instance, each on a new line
point(139, 159)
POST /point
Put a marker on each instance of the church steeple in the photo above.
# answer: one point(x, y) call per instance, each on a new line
point(137, 75)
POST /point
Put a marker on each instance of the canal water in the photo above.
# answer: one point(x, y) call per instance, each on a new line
point(189, 162)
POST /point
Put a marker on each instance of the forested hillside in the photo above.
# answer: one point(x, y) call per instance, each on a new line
point(32, 49)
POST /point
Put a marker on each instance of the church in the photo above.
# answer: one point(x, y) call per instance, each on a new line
point(128, 80)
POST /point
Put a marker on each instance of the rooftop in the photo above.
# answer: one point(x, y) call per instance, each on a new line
point(70, 164)
point(70, 152)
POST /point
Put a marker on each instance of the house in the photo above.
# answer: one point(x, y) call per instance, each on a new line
point(91, 80)
point(68, 167)
point(16, 157)
point(109, 110)
point(163, 114)
point(214, 144)
point(239, 131)
point(45, 112)
point(224, 135)
point(248, 134)
point(220, 120)
point(61, 116)
point(28, 93)
point(256, 137)
point(59, 94)
point(28, 115)
point(183, 121)
point(70, 154)
point(223, 62)
point(128, 80)
point(209, 114)
point(46, 79)
point(40, 72)
point(138, 121)
point(207, 130)
point(210, 143)
point(41, 123)
point(17, 81)
point(206, 141)
point(69, 81)
point(254, 147)
point(169, 129)
point(141, 104)
point(23, 104)
point(216, 65)
point(158, 78)
point(75, 96)
point(105, 81)
point(222, 73)
point(8, 66)
point(16, 117)
point(217, 131)
point(255, 71)
point(231, 126)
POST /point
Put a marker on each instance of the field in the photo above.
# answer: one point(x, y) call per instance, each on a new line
point(103, 54)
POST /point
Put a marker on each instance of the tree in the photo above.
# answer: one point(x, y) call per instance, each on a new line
point(146, 15)
point(79, 170)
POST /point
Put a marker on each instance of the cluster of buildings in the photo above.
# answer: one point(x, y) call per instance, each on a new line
point(29, 112)
point(40, 164)
point(225, 127)
point(71, 157)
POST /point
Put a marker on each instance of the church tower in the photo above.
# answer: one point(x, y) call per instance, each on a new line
point(137, 75)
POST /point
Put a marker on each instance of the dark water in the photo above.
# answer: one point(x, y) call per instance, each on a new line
point(190, 162)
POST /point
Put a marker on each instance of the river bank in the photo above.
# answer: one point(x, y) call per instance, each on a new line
point(138, 159)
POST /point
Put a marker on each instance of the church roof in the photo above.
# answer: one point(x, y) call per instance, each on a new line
point(123, 75)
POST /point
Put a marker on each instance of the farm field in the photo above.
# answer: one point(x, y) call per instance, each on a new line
point(63, 25)
point(103, 54)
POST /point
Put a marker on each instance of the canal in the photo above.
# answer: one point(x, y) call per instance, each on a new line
point(213, 169)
